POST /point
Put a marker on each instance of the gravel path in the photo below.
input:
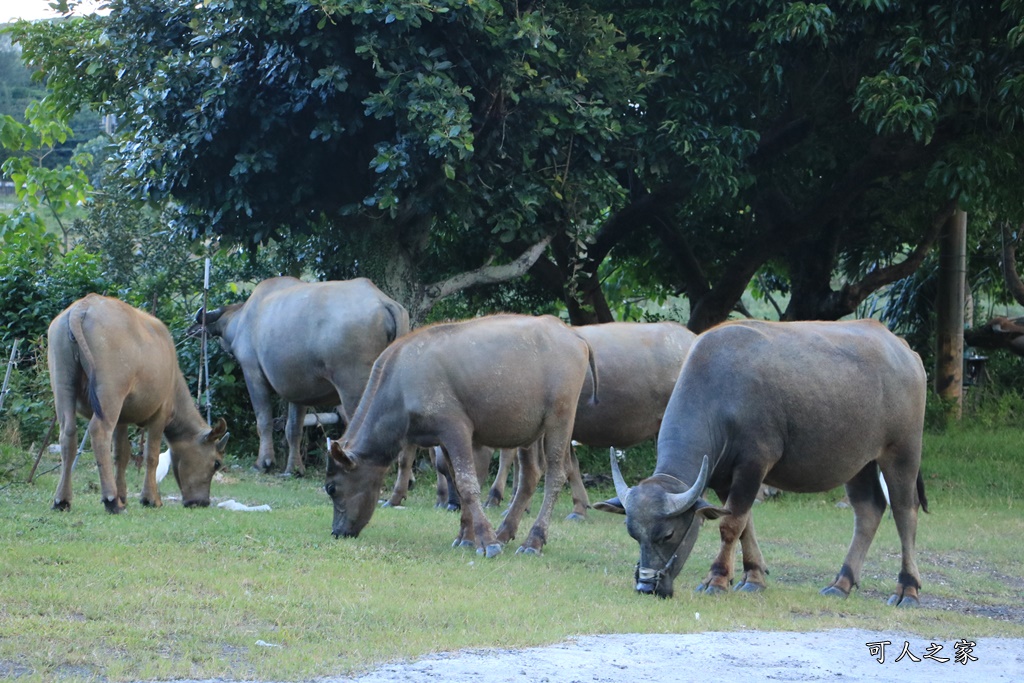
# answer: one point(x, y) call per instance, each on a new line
point(752, 657)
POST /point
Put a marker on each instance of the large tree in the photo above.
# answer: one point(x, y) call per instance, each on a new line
point(435, 145)
point(810, 141)
point(431, 146)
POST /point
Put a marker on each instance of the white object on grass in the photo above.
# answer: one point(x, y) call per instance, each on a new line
point(235, 505)
point(163, 464)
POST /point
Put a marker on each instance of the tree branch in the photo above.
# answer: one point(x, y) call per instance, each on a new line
point(851, 295)
point(484, 275)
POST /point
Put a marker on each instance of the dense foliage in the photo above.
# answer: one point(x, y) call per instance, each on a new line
point(707, 143)
point(806, 152)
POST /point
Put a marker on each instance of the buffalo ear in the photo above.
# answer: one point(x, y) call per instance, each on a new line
point(342, 459)
point(612, 505)
point(708, 511)
point(219, 430)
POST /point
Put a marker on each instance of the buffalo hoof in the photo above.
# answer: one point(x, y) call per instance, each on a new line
point(113, 506)
point(526, 550)
point(61, 505)
point(835, 592)
point(147, 503)
point(493, 550)
point(904, 601)
point(576, 517)
point(462, 543)
point(709, 589)
point(452, 507)
point(749, 587)
point(391, 504)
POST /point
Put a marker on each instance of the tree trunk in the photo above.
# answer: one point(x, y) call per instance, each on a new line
point(949, 310)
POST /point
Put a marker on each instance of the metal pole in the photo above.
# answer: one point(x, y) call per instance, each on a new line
point(81, 447)
point(206, 356)
point(7, 376)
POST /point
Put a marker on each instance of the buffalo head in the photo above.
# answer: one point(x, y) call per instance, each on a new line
point(195, 461)
point(663, 514)
point(212, 321)
point(353, 486)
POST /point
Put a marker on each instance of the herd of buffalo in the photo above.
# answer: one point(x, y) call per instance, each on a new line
point(800, 406)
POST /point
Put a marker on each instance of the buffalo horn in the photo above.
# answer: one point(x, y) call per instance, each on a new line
point(621, 490)
point(680, 502)
point(211, 316)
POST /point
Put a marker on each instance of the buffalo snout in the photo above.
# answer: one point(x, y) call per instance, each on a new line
point(646, 588)
point(344, 533)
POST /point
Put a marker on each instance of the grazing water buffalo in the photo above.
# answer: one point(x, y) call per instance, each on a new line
point(117, 366)
point(502, 380)
point(802, 406)
point(638, 364)
point(309, 342)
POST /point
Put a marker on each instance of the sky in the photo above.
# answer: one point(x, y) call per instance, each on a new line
point(33, 9)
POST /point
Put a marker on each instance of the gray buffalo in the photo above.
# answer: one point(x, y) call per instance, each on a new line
point(116, 365)
point(311, 343)
point(638, 364)
point(502, 380)
point(802, 406)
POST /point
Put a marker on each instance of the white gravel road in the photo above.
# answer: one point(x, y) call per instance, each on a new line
point(752, 657)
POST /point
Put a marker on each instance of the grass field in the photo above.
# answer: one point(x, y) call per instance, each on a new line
point(211, 593)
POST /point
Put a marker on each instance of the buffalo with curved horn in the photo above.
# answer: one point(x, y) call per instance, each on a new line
point(801, 406)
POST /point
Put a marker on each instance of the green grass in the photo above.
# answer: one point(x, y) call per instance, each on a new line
point(170, 593)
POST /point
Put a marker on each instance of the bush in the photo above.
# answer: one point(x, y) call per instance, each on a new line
point(37, 282)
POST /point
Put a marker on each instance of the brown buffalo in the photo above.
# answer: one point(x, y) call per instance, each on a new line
point(503, 381)
point(311, 343)
point(638, 364)
point(801, 406)
point(116, 365)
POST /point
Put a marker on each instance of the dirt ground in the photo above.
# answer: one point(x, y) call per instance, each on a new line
point(850, 656)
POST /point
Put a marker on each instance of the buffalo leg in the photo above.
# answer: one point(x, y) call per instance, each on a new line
point(754, 570)
point(868, 503)
point(580, 499)
point(68, 451)
point(555, 445)
point(101, 435)
point(262, 405)
point(122, 455)
point(529, 475)
point(462, 458)
point(443, 463)
point(902, 483)
point(719, 578)
point(403, 482)
point(453, 501)
point(150, 487)
point(506, 456)
point(739, 501)
point(293, 435)
point(443, 485)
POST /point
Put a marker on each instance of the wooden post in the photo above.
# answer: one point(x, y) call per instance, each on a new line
point(949, 309)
